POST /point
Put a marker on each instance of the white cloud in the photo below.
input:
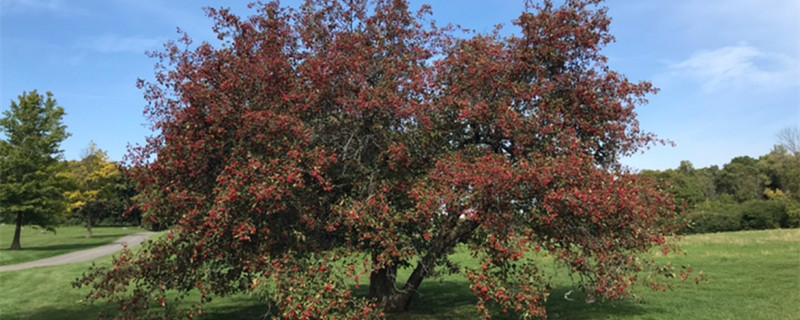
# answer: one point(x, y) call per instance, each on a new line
point(737, 67)
point(119, 44)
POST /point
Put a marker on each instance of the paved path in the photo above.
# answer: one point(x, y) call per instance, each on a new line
point(83, 255)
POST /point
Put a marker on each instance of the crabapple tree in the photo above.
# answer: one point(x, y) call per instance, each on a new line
point(341, 141)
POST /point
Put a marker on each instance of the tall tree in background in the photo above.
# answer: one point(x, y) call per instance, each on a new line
point(126, 194)
point(348, 139)
point(789, 138)
point(97, 187)
point(31, 191)
point(743, 179)
point(687, 184)
point(782, 168)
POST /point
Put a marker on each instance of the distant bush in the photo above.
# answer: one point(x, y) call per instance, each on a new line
point(720, 216)
point(715, 216)
point(793, 214)
point(715, 221)
point(763, 214)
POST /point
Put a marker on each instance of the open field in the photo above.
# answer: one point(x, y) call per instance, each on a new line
point(37, 244)
point(751, 275)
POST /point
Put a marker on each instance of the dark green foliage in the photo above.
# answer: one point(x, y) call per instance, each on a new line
point(746, 194)
point(793, 214)
point(721, 215)
point(704, 178)
point(743, 179)
point(31, 187)
point(717, 222)
point(689, 186)
point(716, 216)
point(782, 169)
point(124, 211)
point(761, 214)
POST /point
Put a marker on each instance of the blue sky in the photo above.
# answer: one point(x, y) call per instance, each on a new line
point(728, 70)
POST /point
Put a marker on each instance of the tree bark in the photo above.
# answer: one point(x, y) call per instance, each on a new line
point(382, 282)
point(382, 286)
point(15, 244)
point(89, 227)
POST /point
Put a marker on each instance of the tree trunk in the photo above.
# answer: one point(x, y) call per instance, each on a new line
point(382, 282)
point(15, 244)
point(89, 227)
point(382, 288)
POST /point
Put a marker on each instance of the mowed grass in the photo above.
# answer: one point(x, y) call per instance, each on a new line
point(751, 275)
point(39, 244)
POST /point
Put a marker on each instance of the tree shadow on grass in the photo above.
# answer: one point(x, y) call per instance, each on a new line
point(239, 307)
point(454, 300)
point(69, 247)
point(59, 247)
point(574, 306)
point(243, 309)
point(435, 300)
point(255, 311)
point(436, 296)
point(77, 313)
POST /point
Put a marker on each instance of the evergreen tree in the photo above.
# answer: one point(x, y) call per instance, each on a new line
point(31, 188)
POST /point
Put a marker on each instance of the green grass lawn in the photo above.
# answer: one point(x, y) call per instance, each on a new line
point(37, 244)
point(751, 275)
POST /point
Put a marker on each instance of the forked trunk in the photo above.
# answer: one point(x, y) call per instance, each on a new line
point(15, 244)
point(383, 283)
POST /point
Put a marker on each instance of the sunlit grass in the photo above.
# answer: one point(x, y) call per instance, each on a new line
point(751, 275)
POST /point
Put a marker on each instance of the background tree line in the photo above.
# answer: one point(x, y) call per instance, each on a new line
point(744, 194)
point(39, 188)
point(94, 191)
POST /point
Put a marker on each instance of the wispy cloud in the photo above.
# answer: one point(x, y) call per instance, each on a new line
point(737, 67)
point(740, 18)
point(119, 44)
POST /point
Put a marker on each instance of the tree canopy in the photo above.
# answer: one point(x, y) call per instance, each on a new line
point(96, 188)
point(343, 140)
point(31, 188)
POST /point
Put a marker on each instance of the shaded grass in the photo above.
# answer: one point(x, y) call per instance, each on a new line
point(37, 244)
point(752, 275)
